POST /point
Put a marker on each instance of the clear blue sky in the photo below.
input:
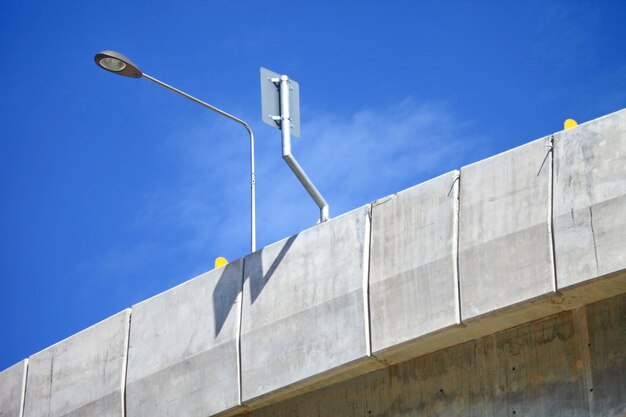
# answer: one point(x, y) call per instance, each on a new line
point(113, 190)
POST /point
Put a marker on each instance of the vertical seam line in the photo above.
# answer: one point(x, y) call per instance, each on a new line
point(238, 334)
point(456, 243)
point(24, 382)
point(367, 249)
point(125, 363)
point(551, 215)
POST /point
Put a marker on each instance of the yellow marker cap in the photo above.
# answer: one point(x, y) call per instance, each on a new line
point(219, 262)
point(569, 123)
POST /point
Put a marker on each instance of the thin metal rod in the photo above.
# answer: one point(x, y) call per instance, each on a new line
point(285, 128)
point(248, 129)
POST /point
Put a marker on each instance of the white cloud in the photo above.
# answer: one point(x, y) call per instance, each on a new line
point(374, 153)
point(203, 212)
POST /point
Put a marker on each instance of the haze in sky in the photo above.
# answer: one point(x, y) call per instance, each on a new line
point(113, 189)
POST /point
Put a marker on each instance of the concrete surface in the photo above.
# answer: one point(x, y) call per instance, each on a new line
point(606, 326)
point(303, 305)
point(538, 369)
point(82, 375)
point(505, 253)
point(413, 277)
point(590, 200)
point(12, 385)
point(182, 359)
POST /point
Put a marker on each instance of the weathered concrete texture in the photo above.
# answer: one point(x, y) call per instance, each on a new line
point(606, 323)
point(303, 307)
point(505, 254)
point(12, 384)
point(590, 200)
point(537, 369)
point(413, 276)
point(182, 359)
point(82, 375)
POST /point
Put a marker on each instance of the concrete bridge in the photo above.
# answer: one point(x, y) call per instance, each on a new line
point(496, 290)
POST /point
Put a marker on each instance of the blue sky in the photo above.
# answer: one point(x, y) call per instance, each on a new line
point(113, 189)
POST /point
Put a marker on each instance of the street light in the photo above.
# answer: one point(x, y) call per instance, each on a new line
point(119, 64)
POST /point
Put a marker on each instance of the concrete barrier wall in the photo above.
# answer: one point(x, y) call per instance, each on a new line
point(304, 299)
point(524, 235)
point(82, 375)
point(505, 253)
point(12, 386)
point(183, 348)
point(413, 279)
point(590, 200)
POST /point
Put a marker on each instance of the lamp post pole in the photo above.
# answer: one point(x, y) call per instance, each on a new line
point(119, 64)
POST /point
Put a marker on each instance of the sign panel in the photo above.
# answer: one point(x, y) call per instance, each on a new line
point(270, 101)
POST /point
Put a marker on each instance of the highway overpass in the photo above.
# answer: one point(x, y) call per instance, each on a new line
point(495, 290)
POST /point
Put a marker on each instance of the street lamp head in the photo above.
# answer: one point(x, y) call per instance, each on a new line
point(117, 63)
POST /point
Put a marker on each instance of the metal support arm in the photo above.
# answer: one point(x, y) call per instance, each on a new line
point(285, 129)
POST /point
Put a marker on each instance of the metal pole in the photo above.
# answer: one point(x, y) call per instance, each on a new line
point(248, 129)
point(285, 128)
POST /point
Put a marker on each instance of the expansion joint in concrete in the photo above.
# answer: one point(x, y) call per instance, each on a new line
point(367, 250)
point(550, 156)
point(23, 393)
point(456, 189)
point(125, 362)
point(238, 334)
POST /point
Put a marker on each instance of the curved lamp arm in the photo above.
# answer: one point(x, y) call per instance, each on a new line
point(234, 119)
point(119, 64)
point(248, 129)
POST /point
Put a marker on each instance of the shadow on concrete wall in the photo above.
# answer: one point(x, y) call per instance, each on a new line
point(234, 276)
point(254, 269)
point(225, 293)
